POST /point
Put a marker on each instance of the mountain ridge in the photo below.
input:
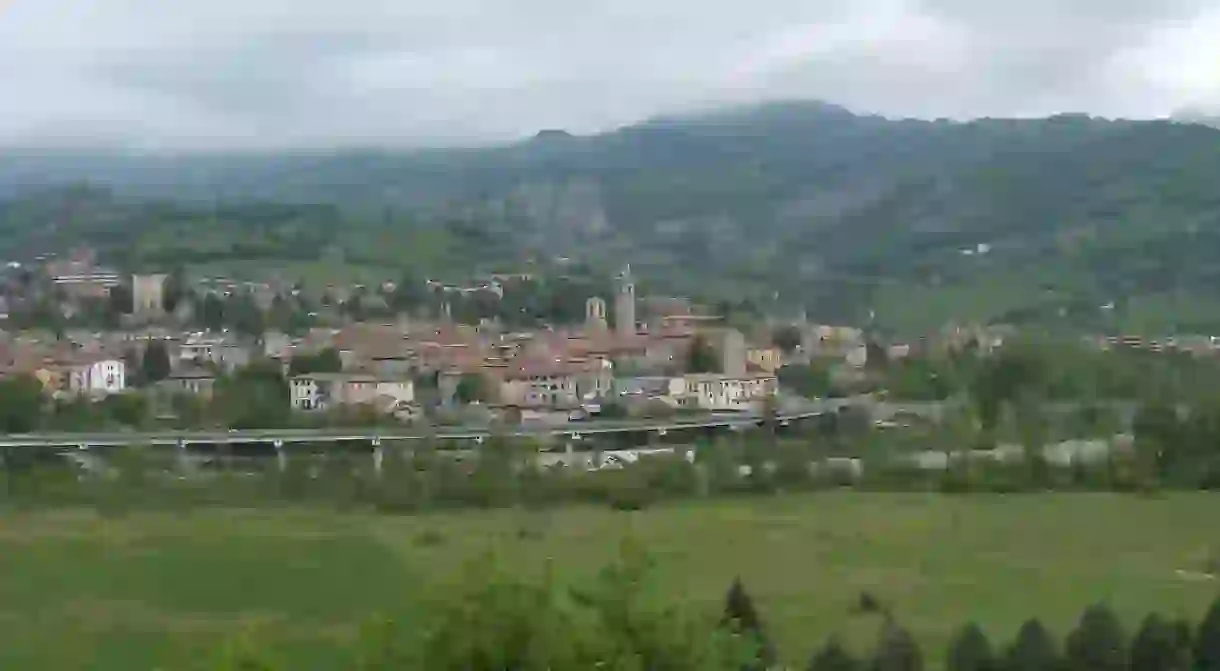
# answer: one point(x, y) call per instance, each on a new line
point(830, 208)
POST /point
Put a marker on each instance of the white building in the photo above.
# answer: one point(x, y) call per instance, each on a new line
point(214, 350)
point(717, 392)
point(100, 375)
point(556, 383)
point(321, 391)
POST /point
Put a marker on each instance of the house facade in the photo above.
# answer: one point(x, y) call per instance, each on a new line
point(321, 391)
point(557, 383)
point(196, 382)
point(767, 359)
point(718, 393)
point(96, 376)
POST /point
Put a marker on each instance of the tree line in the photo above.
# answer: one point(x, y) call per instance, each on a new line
point(503, 473)
point(493, 621)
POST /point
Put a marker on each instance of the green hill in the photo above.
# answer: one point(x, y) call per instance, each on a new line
point(1042, 220)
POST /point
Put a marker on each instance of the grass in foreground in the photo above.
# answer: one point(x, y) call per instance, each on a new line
point(164, 591)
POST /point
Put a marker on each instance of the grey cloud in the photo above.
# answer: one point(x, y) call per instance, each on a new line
point(286, 72)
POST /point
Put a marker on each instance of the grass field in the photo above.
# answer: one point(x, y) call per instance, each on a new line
point(163, 591)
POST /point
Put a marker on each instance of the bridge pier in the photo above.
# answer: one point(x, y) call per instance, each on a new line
point(184, 464)
point(281, 457)
point(378, 456)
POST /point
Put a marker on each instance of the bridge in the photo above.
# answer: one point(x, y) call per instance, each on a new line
point(376, 435)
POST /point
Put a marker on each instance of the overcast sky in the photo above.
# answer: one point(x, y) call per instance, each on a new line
point(200, 73)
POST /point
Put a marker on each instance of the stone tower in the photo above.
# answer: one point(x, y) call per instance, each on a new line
point(595, 313)
point(733, 353)
point(624, 304)
point(147, 294)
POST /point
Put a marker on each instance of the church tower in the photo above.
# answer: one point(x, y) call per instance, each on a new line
point(595, 314)
point(624, 305)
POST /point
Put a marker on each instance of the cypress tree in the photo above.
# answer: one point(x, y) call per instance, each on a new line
point(897, 650)
point(1097, 643)
point(1156, 647)
point(741, 618)
point(971, 651)
point(1033, 650)
point(833, 657)
point(1207, 640)
point(1183, 637)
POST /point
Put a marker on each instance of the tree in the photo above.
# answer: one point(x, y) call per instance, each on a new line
point(1207, 640)
point(971, 651)
point(254, 397)
point(1184, 636)
point(919, 378)
point(613, 410)
point(329, 361)
point(1156, 647)
point(1157, 434)
point(1097, 643)
point(1032, 432)
point(810, 381)
point(1033, 650)
point(1001, 378)
point(471, 388)
point(897, 650)
point(132, 363)
point(211, 313)
point(129, 409)
point(410, 293)
point(119, 300)
point(155, 365)
point(326, 361)
point(741, 619)
point(876, 357)
point(244, 314)
point(833, 657)
point(353, 307)
point(176, 287)
point(787, 338)
point(20, 403)
point(702, 357)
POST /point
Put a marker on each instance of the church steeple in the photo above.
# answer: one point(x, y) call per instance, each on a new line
point(624, 304)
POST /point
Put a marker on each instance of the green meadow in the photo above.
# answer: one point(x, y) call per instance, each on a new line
point(167, 591)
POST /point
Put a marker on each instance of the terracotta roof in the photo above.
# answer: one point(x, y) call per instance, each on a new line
point(192, 374)
point(520, 368)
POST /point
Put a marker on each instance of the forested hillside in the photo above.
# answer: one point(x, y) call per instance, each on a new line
point(1044, 220)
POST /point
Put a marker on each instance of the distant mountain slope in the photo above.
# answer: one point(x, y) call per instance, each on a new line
point(846, 212)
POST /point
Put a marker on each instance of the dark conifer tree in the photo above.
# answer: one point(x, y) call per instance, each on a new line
point(834, 657)
point(1207, 640)
point(897, 650)
point(1033, 650)
point(1097, 643)
point(1184, 637)
point(741, 618)
point(1184, 632)
point(1156, 647)
point(971, 651)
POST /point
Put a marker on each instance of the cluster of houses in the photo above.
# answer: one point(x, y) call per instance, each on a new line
point(639, 366)
point(98, 364)
point(557, 373)
point(551, 371)
point(1192, 344)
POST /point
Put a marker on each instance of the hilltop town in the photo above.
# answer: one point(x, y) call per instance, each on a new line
point(201, 352)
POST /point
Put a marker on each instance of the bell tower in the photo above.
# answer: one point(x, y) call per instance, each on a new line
point(624, 304)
